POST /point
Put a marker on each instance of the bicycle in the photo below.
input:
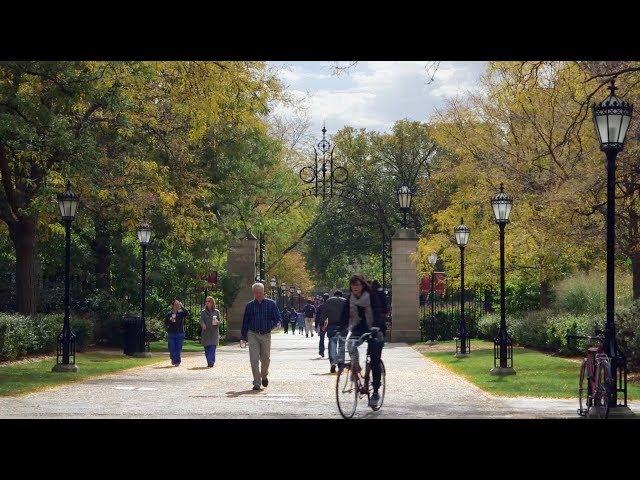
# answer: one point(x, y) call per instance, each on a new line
point(595, 386)
point(351, 384)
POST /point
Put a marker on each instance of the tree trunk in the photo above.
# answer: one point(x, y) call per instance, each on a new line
point(635, 272)
point(101, 247)
point(545, 294)
point(23, 236)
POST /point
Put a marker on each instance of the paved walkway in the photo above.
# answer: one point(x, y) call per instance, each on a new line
point(300, 386)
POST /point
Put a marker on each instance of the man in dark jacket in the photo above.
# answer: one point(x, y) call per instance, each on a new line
point(331, 319)
point(318, 325)
point(309, 312)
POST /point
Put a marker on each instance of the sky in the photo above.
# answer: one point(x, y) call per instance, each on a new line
point(373, 95)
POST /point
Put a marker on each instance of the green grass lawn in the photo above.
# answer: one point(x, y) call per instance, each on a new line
point(30, 376)
point(537, 374)
point(187, 346)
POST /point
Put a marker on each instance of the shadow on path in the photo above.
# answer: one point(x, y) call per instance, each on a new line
point(168, 366)
point(198, 368)
point(242, 392)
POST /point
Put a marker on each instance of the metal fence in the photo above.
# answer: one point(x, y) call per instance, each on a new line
point(446, 312)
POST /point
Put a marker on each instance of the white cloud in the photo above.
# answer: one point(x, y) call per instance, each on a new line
point(376, 94)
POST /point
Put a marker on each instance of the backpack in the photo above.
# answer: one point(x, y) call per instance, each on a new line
point(309, 311)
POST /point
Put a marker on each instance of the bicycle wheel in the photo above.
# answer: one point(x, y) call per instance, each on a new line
point(381, 390)
point(603, 389)
point(346, 393)
point(583, 391)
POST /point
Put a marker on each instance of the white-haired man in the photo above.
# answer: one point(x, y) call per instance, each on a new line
point(261, 315)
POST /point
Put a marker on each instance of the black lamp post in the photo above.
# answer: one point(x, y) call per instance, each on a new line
point(283, 291)
point(273, 289)
point(502, 345)
point(299, 297)
point(433, 259)
point(404, 199)
point(144, 237)
point(463, 344)
point(612, 117)
point(66, 344)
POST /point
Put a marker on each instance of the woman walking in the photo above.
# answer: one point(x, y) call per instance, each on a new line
point(361, 312)
point(210, 325)
point(174, 322)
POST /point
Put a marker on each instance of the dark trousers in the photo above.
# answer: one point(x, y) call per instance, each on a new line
point(210, 354)
point(175, 341)
point(374, 349)
point(321, 334)
point(285, 324)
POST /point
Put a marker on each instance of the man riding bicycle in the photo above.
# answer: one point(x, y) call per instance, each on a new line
point(362, 312)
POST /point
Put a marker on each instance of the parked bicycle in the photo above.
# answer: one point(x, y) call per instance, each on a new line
point(595, 388)
point(351, 383)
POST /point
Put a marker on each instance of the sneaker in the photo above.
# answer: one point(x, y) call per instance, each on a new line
point(256, 387)
point(322, 354)
point(210, 365)
point(265, 381)
point(307, 336)
point(333, 369)
point(375, 398)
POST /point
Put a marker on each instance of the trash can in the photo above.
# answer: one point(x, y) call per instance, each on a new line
point(132, 329)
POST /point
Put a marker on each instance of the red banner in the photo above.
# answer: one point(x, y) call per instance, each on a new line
point(440, 283)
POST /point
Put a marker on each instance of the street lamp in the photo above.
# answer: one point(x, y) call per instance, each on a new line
point(502, 345)
point(299, 292)
point(144, 237)
point(404, 199)
point(463, 344)
point(66, 344)
point(273, 288)
point(433, 259)
point(612, 117)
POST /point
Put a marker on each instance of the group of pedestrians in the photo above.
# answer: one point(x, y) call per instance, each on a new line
point(361, 309)
point(301, 320)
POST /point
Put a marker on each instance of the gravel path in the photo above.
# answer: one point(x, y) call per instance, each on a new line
point(300, 386)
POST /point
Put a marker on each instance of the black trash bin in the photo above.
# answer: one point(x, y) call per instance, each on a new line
point(132, 342)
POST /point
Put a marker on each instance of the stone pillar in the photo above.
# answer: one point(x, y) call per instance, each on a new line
point(241, 265)
point(405, 301)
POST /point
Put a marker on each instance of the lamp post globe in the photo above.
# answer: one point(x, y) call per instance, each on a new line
point(503, 345)
point(144, 238)
point(66, 343)
point(611, 118)
point(463, 344)
point(404, 200)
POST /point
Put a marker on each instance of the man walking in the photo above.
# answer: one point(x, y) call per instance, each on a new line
point(309, 312)
point(285, 320)
point(319, 326)
point(261, 315)
point(331, 320)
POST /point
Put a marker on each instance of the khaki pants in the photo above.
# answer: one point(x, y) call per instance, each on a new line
point(259, 350)
point(308, 326)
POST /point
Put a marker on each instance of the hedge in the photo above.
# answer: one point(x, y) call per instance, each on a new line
point(22, 335)
point(548, 329)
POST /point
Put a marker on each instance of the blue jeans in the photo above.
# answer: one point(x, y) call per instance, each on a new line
point(210, 353)
point(332, 332)
point(321, 334)
point(175, 341)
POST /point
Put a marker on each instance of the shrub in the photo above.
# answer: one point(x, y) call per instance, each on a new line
point(628, 333)
point(15, 336)
point(83, 328)
point(585, 292)
point(487, 326)
point(156, 329)
point(21, 335)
